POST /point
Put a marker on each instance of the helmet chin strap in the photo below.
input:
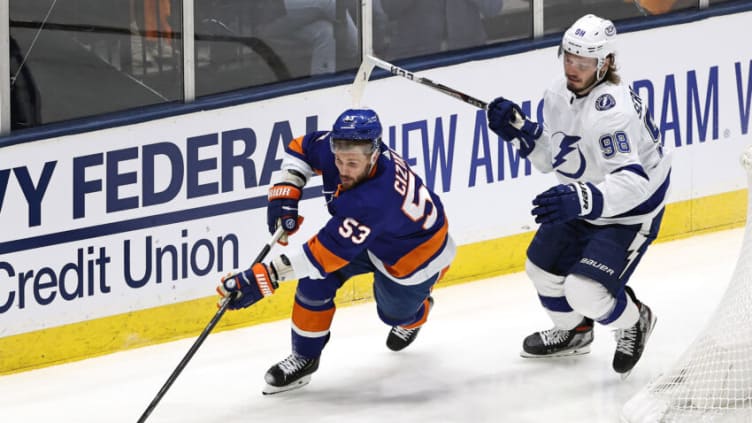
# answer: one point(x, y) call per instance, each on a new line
point(374, 156)
point(587, 89)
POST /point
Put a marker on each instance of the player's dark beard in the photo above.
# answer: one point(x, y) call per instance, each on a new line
point(353, 182)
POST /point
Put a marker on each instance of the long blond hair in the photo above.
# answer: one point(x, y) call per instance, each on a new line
point(611, 75)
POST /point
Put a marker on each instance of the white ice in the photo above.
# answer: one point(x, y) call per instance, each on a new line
point(464, 366)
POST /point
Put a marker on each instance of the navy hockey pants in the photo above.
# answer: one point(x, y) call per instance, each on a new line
point(314, 307)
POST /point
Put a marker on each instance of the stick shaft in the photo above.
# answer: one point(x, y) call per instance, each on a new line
point(200, 340)
point(398, 71)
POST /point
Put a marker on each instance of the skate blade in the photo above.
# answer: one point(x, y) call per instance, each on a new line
point(564, 353)
point(271, 390)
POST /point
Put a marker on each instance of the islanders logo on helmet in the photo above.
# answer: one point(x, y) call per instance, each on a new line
point(357, 125)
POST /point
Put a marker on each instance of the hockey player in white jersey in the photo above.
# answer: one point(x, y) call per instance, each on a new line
point(598, 137)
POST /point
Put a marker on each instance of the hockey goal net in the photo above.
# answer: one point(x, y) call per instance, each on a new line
point(712, 380)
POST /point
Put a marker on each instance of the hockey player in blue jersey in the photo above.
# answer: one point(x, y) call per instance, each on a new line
point(598, 138)
point(383, 220)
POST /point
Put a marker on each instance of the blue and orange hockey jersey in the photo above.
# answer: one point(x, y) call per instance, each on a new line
point(392, 214)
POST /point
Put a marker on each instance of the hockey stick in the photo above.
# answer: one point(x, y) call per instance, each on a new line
point(204, 333)
point(361, 78)
point(370, 61)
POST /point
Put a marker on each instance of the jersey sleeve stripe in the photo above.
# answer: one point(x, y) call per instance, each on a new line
point(322, 257)
point(293, 162)
point(420, 255)
point(634, 168)
point(296, 146)
point(656, 200)
point(311, 321)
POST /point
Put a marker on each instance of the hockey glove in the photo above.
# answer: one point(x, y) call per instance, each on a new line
point(247, 287)
point(283, 209)
point(563, 203)
point(506, 119)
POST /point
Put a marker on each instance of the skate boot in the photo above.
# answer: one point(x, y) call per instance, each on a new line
point(559, 342)
point(291, 373)
point(399, 338)
point(630, 343)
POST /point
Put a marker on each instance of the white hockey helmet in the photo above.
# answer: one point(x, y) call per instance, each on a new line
point(590, 36)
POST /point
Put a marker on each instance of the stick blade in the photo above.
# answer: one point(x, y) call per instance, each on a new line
point(359, 83)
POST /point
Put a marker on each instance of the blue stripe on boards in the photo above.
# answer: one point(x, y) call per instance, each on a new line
point(145, 222)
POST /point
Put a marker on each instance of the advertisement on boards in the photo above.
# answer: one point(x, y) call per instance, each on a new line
point(151, 214)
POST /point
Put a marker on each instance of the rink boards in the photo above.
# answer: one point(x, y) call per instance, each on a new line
point(116, 238)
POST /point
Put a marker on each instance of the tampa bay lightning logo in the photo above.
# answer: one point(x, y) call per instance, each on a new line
point(605, 102)
point(569, 165)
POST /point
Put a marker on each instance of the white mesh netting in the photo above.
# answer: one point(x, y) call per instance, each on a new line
point(712, 380)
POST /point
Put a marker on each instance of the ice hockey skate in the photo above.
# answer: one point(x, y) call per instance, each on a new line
point(559, 342)
point(630, 343)
point(399, 338)
point(291, 373)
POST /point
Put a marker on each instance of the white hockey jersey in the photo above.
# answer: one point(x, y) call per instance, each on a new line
point(607, 138)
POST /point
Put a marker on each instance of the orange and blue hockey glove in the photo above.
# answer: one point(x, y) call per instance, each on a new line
point(247, 287)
